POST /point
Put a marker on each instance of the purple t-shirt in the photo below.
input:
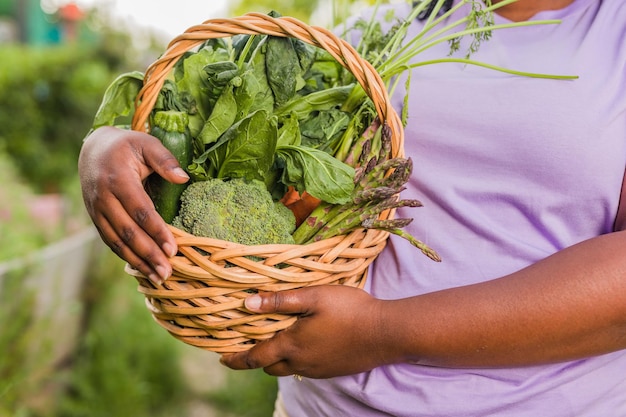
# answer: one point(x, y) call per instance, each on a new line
point(510, 170)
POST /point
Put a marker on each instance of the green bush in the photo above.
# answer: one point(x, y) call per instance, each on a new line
point(16, 335)
point(48, 98)
point(246, 394)
point(18, 236)
point(126, 366)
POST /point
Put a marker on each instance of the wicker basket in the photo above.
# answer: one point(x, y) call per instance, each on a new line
point(202, 303)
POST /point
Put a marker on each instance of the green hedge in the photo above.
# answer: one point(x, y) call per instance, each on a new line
point(18, 237)
point(48, 98)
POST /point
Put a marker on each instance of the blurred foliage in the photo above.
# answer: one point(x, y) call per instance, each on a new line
point(18, 236)
point(16, 335)
point(250, 393)
point(48, 97)
point(300, 9)
point(125, 365)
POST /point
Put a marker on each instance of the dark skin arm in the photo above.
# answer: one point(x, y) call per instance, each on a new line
point(117, 202)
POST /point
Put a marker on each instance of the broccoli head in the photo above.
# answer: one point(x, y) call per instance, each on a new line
point(236, 211)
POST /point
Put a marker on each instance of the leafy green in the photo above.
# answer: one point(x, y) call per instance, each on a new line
point(325, 99)
point(316, 172)
point(283, 69)
point(248, 150)
point(256, 96)
point(119, 99)
point(254, 93)
point(199, 90)
point(222, 117)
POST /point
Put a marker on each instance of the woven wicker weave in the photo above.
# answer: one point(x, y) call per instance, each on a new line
point(202, 303)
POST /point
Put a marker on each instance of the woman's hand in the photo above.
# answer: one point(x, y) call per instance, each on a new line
point(112, 166)
point(340, 331)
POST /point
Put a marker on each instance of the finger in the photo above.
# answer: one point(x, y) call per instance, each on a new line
point(116, 245)
point(163, 162)
point(135, 247)
point(285, 302)
point(136, 202)
point(132, 244)
point(264, 354)
point(127, 238)
point(281, 368)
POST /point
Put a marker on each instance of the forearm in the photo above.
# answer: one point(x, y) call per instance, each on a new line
point(568, 306)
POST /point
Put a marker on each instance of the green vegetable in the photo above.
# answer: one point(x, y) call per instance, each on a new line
point(170, 127)
point(247, 148)
point(119, 99)
point(283, 68)
point(283, 113)
point(237, 211)
point(317, 173)
point(247, 102)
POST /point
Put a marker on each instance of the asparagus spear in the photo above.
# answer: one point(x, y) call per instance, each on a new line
point(376, 191)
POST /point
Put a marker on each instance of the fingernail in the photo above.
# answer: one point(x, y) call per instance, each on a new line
point(181, 173)
point(155, 279)
point(169, 249)
point(163, 272)
point(253, 302)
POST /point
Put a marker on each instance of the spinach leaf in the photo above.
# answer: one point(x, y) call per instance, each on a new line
point(289, 131)
point(317, 172)
point(254, 93)
point(118, 99)
point(247, 148)
point(240, 44)
point(222, 117)
point(305, 52)
point(219, 74)
point(327, 99)
point(282, 68)
point(324, 129)
point(195, 88)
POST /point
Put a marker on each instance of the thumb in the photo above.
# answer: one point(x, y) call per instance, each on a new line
point(163, 162)
point(285, 302)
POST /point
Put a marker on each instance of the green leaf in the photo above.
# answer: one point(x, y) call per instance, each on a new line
point(194, 86)
point(289, 131)
point(283, 68)
point(222, 117)
point(254, 92)
point(317, 173)
point(317, 101)
point(119, 99)
point(324, 129)
point(247, 149)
